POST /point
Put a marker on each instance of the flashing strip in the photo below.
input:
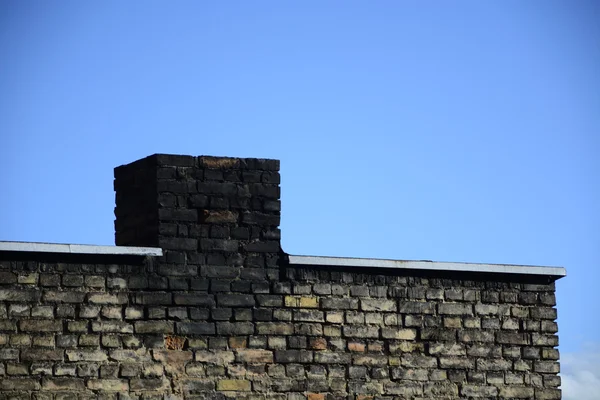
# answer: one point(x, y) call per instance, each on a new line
point(557, 272)
point(79, 249)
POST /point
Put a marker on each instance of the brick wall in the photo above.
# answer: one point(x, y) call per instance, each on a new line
point(224, 315)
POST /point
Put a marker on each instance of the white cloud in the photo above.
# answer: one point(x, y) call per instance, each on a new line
point(580, 375)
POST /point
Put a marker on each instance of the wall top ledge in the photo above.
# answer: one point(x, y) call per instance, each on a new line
point(347, 262)
point(34, 247)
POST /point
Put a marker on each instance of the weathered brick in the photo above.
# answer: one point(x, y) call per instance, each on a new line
point(41, 355)
point(86, 355)
point(235, 300)
point(293, 356)
point(19, 295)
point(254, 356)
point(106, 298)
point(478, 391)
point(63, 384)
point(516, 392)
point(339, 304)
point(148, 384)
point(455, 309)
point(366, 359)
point(154, 327)
point(377, 305)
point(416, 307)
point(215, 357)
point(40, 325)
point(361, 331)
point(470, 336)
point(547, 394)
point(274, 328)
point(20, 384)
point(112, 326)
point(138, 356)
point(234, 385)
point(515, 338)
point(108, 385)
point(398, 334)
point(235, 328)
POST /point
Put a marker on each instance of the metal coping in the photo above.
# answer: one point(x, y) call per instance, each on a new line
point(557, 272)
point(79, 249)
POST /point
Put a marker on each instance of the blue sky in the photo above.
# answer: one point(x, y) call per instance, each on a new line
point(450, 131)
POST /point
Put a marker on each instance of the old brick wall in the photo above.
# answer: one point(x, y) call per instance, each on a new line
point(223, 315)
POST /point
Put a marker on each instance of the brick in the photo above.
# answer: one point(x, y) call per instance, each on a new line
point(137, 356)
point(378, 305)
point(293, 356)
point(215, 357)
point(548, 394)
point(40, 325)
point(105, 298)
point(398, 334)
point(7, 278)
point(95, 281)
point(20, 340)
point(516, 392)
point(63, 384)
point(20, 384)
point(108, 385)
point(195, 328)
point(339, 304)
point(254, 356)
point(455, 309)
point(361, 331)
point(471, 336)
point(169, 357)
point(233, 385)
point(86, 355)
point(416, 307)
point(19, 295)
point(202, 300)
point(235, 300)
point(549, 367)
point(308, 316)
point(478, 391)
point(154, 327)
point(368, 359)
point(148, 384)
point(112, 326)
point(406, 389)
point(493, 365)
point(515, 338)
point(317, 343)
point(269, 300)
point(235, 328)
point(41, 355)
point(8, 326)
point(301, 302)
point(457, 362)
point(42, 312)
point(325, 357)
point(49, 280)
point(274, 328)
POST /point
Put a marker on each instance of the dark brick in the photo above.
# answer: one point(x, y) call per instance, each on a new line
point(204, 300)
point(195, 328)
point(235, 300)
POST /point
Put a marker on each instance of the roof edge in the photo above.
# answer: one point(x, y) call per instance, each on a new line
point(36, 247)
point(348, 262)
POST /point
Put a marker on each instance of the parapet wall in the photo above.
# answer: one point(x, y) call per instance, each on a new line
point(224, 313)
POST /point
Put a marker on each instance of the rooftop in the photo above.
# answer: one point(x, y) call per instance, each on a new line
point(335, 262)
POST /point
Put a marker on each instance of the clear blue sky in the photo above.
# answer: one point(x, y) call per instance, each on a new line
point(451, 131)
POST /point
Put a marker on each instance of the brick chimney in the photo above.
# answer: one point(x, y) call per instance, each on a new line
point(213, 216)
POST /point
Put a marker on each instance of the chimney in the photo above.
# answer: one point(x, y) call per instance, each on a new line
point(213, 216)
